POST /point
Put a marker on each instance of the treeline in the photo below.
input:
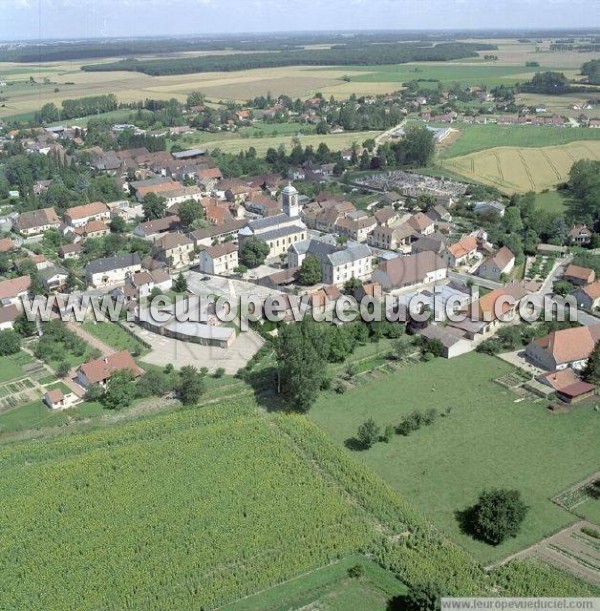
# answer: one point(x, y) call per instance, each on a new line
point(81, 107)
point(376, 54)
point(592, 70)
point(552, 83)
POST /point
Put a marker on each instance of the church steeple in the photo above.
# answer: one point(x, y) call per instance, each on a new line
point(290, 201)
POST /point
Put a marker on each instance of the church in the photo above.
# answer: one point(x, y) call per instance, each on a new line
point(279, 231)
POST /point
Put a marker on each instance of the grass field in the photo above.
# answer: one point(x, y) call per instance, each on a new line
point(552, 201)
point(11, 367)
point(114, 336)
point(329, 589)
point(488, 440)
point(518, 169)
point(475, 138)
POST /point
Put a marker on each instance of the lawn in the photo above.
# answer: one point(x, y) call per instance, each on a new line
point(11, 367)
point(553, 201)
point(474, 138)
point(329, 588)
point(487, 440)
point(112, 335)
point(38, 415)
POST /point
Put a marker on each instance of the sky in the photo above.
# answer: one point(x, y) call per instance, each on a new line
point(42, 19)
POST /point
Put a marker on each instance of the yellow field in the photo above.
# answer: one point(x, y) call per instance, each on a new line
point(133, 86)
point(514, 169)
point(336, 142)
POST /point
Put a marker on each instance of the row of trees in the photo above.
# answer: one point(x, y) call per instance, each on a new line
point(79, 107)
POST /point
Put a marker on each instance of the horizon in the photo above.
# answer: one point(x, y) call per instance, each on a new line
point(46, 20)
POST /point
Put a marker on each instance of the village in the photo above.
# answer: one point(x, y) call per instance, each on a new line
point(181, 227)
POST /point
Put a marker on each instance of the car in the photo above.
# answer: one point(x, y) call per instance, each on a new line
point(204, 278)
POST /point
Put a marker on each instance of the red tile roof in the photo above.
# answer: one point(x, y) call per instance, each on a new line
point(103, 368)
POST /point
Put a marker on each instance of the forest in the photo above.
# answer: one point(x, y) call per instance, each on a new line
point(339, 55)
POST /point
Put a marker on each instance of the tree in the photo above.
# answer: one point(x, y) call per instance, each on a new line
point(63, 368)
point(497, 515)
point(154, 206)
point(23, 326)
point(95, 392)
point(591, 372)
point(189, 212)
point(368, 433)
point(118, 224)
point(120, 390)
point(191, 385)
point(254, 252)
point(180, 285)
point(310, 271)
point(10, 342)
point(423, 597)
point(301, 365)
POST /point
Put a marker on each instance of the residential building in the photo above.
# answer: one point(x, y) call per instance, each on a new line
point(111, 271)
point(421, 268)
point(355, 229)
point(454, 343)
point(588, 296)
point(503, 262)
point(12, 291)
point(152, 230)
point(421, 223)
point(221, 259)
point(435, 242)
point(396, 237)
point(79, 216)
point(8, 315)
point(37, 221)
point(215, 234)
point(579, 276)
point(70, 251)
point(101, 370)
point(580, 235)
point(175, 249)
point(338, 263)
point(565, 348)
point(54, 278)
point(462, 252)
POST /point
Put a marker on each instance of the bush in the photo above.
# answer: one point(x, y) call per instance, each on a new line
point(356, 571)
point(591, 532)
point(10, 342)
point(220, 372)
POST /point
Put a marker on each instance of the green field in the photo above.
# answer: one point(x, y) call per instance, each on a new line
point(468, 74)
point(115, 337)
point(329, 589)
point(11, 367)
point(488, 440)
point(474, 138)
point(552, 201)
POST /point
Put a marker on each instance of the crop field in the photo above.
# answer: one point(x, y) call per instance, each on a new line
point(475, 138)
point(486, 441)
point(336, 142)
point(520, 169)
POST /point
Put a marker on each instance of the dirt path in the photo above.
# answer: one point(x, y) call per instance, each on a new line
point(94, 342)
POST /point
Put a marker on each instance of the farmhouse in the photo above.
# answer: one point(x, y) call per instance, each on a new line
point(494, 267)
point(397, 237)
point(579, 276)
point(221, 259)
point(111, 271)
point(37, 221)
point(101, 370)
point(565, 348)
point(422, 268)
point(81, 215)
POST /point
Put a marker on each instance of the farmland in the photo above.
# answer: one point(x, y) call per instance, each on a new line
point(443, 468)
point(516, 169)
point(85, 523)
point(335, 142)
